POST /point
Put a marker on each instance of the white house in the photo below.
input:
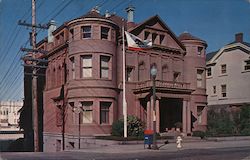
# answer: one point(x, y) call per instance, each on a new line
point(228, 74)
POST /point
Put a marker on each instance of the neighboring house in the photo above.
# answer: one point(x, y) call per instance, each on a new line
point(228, 75)
point(83, 91)
point(9, 115)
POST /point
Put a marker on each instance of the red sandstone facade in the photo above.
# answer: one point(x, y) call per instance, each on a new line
point(85, 74)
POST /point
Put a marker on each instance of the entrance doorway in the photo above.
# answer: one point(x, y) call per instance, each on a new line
point(170, 113)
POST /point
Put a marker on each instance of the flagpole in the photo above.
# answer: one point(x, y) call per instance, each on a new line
point(124, 103)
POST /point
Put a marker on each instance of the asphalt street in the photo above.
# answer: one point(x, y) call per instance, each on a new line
point(212, 150)
point(241, 153)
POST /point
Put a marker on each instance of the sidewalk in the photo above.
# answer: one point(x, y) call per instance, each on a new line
point(171, 147)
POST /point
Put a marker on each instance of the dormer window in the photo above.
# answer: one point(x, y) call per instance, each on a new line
point(146, 34)
point(161, 38)
point(154, 35)
point(104, 32)
point(86, 32)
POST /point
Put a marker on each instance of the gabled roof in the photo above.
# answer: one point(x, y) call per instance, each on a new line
point(230, 47)
point(138, 28)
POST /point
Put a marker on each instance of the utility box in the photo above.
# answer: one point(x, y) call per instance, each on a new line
point(148, 138)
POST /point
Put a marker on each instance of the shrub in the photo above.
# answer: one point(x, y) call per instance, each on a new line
point(135, 127)
point(220, 123)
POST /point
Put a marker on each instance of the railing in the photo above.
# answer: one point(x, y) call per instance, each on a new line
point(163, 84)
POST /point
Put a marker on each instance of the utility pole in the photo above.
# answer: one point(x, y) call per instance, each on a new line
point(34, 60)
point(34, 82)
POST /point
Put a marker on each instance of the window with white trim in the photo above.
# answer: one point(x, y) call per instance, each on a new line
point(73, 65)
point(199, 78)
point(86, 66)
point(87, 112)
point(223, 69)
point(105, 63)
point(214, 89)
point(86, 31)
point(209, 71)
point(223, 90)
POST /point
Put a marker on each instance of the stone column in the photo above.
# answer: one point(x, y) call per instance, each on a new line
point(184, 117)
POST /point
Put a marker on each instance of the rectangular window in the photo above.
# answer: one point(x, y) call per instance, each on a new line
point(105, 66)
point(214, 89)
point(199, 78)
point(129, 74)
point(154, 35)
point(86, 32)
point(104, 112)
point(86, 66)
point(200, 50)
point(199, 114)
point(104, 32)
point(146, 34)
point(223, 90)
point(209, 72)
point(73, 65)
point(247, 66)
point(176, 76)
point(223, 69)
point(71, 33)
point(87, 112)
point(161, 38)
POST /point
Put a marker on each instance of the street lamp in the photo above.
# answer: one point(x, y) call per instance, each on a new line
point(153, 72)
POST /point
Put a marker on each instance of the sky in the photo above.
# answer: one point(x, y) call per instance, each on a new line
point(215, 21)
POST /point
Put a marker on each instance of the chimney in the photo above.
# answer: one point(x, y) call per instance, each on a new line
point(130, 10)
point(52, 28)
point(96, 9)
point(107, 14)
point(239, 37)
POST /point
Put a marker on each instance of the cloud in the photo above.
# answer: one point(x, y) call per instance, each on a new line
point(248, 1)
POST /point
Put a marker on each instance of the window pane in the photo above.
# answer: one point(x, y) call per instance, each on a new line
point(199, 83)
point(87, 72)
point(87, 61)
point(105, 73)
point(87, 117)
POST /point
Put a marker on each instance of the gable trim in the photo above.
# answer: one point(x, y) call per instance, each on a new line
point(228, 48)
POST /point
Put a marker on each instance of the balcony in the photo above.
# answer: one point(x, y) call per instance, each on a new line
point(162, 84)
